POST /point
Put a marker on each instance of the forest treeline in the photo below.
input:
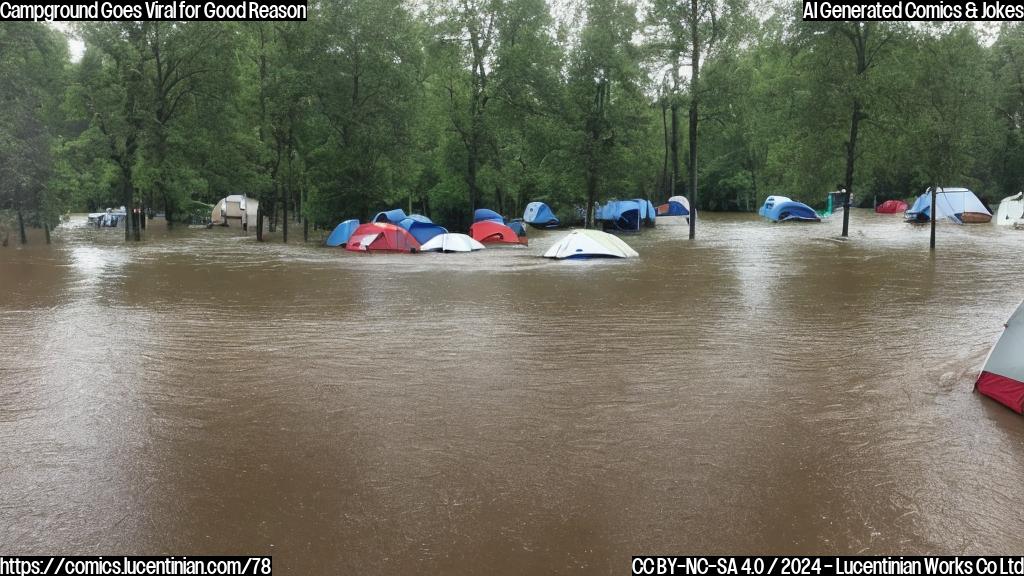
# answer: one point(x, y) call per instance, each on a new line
point(450, 105)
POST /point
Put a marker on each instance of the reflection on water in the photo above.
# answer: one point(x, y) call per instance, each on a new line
point(766, 388)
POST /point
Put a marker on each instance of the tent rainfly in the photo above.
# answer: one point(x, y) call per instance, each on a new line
point(451, 243)
point(590, 244)
point(342, 232)
point(959, 205)
point(1010, 210)
point(539, 215)
point(381, 237)
point(492, 232)
point(892, 207)
point(1002, 378)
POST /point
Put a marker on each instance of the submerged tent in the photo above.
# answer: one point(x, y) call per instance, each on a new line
point(539, 215)
point(676, 206)
point(783, 209)
point(451, 243)
point(625, 215)
point(481, 214)
point(517, 227)
point(342, 232)
point(590, 244)
point(491, 232)
point(649, 212)
point(1002, 377)
point(1010, 210)
point(959, 205)
point(234, 207)
point(393, 216)
point(892, 207)
point(381, 237)
point(422, 231)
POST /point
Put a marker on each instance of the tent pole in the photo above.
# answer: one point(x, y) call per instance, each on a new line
point(934, 212)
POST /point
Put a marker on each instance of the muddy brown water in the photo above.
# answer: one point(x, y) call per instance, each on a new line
point(765, 389)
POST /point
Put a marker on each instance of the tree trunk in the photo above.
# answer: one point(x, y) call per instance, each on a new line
point(674, 146)
point(284, 219)
point(127, 199)
point(21, 227)
point(932, 217)
point(591, 192)
point(851, 155)
point(474, 192)
point(259, 223)
point(694, 99)
point(46, 228)
point(136, 216)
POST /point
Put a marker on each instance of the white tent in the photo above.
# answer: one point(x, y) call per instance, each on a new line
point(956, 204)
point(451, 243)
point(1010, 210)
point(681, 200)
point(1002, 378)
point(234, 207)
point(590, 243)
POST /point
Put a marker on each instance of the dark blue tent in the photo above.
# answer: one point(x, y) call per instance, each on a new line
point(393, 216)
point(341, 233)
point(674, 207)
point(517, 227)
point(782, 209)
point(422, 231)
point(484, 214)
point(621, 215)
point(539, 215)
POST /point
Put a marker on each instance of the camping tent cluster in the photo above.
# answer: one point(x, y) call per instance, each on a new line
point(396, 231)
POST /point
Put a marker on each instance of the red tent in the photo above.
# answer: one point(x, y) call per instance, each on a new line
point(892, 207)
point(492, 232)
point(383, 237)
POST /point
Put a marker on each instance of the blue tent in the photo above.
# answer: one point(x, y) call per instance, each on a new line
point(621, 215)
point(420, 218)
point(517, 227)
point(422, 231)
point(393, 216)
point(647, 211)
point(484, 214)
point(782, 209)
point(342, 232)
point(538, 215)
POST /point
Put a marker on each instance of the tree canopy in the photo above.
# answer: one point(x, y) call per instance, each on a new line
point(460, 104)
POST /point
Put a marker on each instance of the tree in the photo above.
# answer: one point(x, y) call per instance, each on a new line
point(32, 61)
point(604, 75)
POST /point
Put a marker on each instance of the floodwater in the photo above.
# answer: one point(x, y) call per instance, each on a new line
point(765, 389)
